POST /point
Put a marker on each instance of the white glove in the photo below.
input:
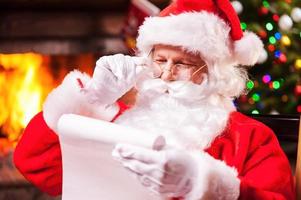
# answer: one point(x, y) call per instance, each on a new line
point(68, 98)
point(113, 76)
point(191, 175)
point(168, 172)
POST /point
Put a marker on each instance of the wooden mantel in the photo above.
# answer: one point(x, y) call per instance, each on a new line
point(63, 26)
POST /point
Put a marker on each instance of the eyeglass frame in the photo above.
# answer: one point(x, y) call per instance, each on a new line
point(173, 66)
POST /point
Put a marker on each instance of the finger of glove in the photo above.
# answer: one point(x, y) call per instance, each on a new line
point(130, 69)
point(151, 185)
point(165, 190)
point(128, 66)
point(102, 79)
point(145, 180)
point(100, 96)
point(175, 167)
point(149, 181)
point(140, 60)
point(102, 88)
point(168, 189)
point(145, 155)
point(104, 76)
point(123, 67)
point(154, 190)
point(140, 65)
point(177, 190)
point(153, 172)
point(171, 178)
point(111, 63)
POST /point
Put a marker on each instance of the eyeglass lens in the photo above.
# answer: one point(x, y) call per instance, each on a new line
point(178, 71)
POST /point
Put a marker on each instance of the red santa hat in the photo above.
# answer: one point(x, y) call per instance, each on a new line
point(210, 28)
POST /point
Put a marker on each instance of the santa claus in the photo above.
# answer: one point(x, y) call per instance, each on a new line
point(187, 73)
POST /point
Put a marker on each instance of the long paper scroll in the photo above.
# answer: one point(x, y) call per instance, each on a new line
point(89, 170)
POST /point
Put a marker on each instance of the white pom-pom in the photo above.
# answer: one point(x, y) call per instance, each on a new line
point(248, 49)
point(237, 7)
point(285, 22)
point(296, 14)
point(262, 57)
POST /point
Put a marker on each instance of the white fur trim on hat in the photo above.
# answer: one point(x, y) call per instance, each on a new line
point(214, 180)
point(199, 32)
point(67, 98)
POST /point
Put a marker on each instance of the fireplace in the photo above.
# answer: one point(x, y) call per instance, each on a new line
point(40, 42)
point(30, 67)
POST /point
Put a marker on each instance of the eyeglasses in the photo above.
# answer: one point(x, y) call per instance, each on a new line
point(178, 71)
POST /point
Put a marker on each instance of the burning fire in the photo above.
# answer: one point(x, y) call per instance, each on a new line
point(25, 81)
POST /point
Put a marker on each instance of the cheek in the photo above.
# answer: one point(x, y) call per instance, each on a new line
point(183, 75)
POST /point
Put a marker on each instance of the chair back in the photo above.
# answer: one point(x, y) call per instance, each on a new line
point(298, 166)
point(287, 129)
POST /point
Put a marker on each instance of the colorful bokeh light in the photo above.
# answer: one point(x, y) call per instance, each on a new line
point(243, 25)
point(298, 63)
point(272, 40)
point(269, 26)
point(276, 85)
point(276, 18)
point(266, 78)
point(256, 97)
point(283, 58)
point(271, 48)
point(277, 53)
point(250, 85)
point(299, 108)
point(285, 40)
point(278, 36)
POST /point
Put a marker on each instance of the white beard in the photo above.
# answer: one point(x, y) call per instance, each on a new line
point(188, 115)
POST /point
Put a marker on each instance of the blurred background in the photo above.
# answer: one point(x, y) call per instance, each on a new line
point(42, 40)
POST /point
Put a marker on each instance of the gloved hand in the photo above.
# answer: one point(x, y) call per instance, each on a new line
point(113, 76)
point(68, 98)
point(167, 172)
point(190, 175)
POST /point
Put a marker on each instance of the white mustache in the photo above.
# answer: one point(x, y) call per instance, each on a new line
point(177, 89)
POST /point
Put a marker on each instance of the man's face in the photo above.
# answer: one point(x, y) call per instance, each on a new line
point(173, 64)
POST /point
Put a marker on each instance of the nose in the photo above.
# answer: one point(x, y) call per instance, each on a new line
point(167, 74)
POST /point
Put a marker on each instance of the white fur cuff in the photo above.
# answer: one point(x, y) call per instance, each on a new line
point(68, 98)
point(215, 180)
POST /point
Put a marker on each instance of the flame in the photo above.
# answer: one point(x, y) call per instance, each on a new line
point(25, 82)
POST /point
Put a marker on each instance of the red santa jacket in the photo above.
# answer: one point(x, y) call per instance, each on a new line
point(246, 144)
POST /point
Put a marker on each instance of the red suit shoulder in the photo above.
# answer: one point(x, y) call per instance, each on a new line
point(253, 149)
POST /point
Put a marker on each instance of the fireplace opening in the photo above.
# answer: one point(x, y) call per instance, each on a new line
point(26, 79)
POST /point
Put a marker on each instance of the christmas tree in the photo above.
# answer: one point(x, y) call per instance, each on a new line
point(275, 82)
